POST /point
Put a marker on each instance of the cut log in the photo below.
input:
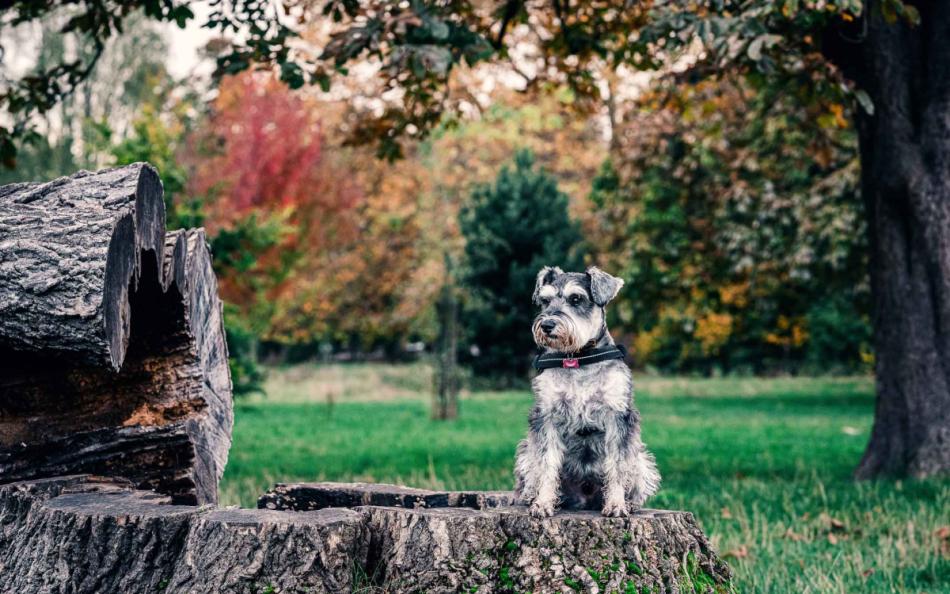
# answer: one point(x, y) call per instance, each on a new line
point(70, 250)
point(147, 397)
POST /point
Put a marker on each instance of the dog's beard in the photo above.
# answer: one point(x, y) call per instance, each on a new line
point(564, 338)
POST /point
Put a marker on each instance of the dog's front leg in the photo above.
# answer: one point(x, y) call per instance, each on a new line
point(551, 450)
point(615, 436)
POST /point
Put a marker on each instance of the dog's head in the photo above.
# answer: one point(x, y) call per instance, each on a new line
point(571, 307)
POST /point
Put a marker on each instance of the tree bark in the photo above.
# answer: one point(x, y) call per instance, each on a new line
point(70, 250)
point(143, 392)
point(506, 550)
point(452, 541)
point(85, 535)
point(82, 534)
point(905, 160)
point(446, 404)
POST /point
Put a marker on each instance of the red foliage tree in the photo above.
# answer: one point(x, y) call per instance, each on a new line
point(269, 193)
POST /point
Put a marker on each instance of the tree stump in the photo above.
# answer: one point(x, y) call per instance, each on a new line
point(89, 535)
point(86, 534)
point(113, 357)
point(454, 541)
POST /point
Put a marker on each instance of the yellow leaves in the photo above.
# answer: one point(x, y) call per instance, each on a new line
point(647, 342)
point(712, 331)
point(735, 294)
point(832, 117)
point(837, 110)
point(867, 357)
point(790, 332)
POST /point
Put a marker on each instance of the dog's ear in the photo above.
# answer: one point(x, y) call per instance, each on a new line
point(603, 286)
point(545, 277)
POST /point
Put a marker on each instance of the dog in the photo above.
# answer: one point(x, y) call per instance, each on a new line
point(583, 449)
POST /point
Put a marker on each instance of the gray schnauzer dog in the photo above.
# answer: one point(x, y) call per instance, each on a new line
point(583, 449)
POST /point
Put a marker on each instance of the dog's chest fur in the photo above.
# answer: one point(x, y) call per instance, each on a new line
point(581, 401)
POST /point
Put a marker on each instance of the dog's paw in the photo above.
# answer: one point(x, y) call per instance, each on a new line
point(541, 509)
point(615, 509)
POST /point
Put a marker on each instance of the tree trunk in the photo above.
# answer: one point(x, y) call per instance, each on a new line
point(905, 159)
point(112, 352)
point(447, 374)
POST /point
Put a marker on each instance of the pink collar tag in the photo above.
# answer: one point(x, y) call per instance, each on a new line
point(570, 364)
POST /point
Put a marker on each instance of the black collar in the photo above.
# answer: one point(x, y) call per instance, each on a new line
point(583, 357)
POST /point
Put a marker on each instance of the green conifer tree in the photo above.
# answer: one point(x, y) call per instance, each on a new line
point(511, 228)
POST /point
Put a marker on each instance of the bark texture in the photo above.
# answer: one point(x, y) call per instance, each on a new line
point(69, 251)
point(147, 398)
point(905, 157)
point(451, 541)
point(79, 535)
point(83, 534)
point(507, 550)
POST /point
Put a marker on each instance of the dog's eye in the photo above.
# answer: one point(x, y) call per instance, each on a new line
point(575, 300)
point(545, 302)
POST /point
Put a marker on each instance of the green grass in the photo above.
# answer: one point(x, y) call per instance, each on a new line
point(764, 464)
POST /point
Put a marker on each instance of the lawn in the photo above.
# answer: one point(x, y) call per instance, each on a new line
point(764, 464)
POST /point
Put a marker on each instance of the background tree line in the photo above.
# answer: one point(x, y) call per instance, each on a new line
point(729, 210)
point(881, 64)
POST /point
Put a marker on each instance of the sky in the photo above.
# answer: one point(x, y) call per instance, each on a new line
point(183, 44)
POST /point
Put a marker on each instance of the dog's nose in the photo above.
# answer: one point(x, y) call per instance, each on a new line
point(548, 326)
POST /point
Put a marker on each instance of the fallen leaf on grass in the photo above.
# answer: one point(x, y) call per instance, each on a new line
point(740, 552)
point(867, 572)
point(725, 514)
point(832, 538)
point(792, 535)
point(943, 534)
point(833, 524)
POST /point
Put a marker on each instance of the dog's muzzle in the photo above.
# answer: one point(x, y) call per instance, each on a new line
point(554, 331)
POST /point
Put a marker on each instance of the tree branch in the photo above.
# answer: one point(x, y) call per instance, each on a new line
point(512, 8)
